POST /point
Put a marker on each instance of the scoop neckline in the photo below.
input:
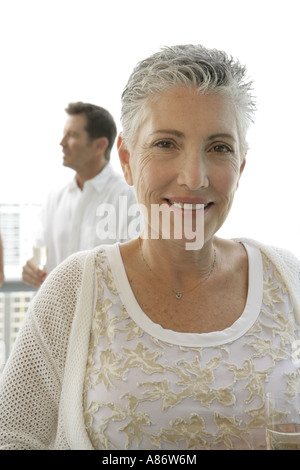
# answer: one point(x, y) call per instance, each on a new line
point(214, 338)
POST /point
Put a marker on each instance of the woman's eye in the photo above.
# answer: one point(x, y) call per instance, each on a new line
point(164, 144)
point(221, 148)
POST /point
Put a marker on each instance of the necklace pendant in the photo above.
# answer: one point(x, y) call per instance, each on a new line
point(178, 295)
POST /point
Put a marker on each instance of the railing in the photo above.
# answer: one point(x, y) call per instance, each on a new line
point(17, 224)
point(15, 297)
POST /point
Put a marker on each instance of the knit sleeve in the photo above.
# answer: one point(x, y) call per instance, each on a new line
point(30, 385)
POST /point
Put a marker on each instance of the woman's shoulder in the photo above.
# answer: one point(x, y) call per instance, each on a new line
point(277, 253)
point(287, 264)
point(72, 267)
point(80, 264)
point(71, 279)
point(68, 286)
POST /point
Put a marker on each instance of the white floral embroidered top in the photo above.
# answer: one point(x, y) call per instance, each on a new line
point(151, 388)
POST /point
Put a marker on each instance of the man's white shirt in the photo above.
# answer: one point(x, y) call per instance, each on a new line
point(75, 220)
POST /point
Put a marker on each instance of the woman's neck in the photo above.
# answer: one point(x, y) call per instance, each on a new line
point(170, 260)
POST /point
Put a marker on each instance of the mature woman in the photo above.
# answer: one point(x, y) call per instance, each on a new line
point(150, 345)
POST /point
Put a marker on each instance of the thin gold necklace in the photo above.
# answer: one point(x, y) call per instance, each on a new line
point(177, 293)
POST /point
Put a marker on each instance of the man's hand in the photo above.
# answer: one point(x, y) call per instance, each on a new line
point(32, 275)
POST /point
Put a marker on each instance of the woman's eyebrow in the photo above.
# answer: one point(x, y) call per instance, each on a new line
point(169, 131)
point(181, 135)
point(221, 135)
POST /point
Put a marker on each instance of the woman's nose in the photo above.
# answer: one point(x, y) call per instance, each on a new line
point(194, 172)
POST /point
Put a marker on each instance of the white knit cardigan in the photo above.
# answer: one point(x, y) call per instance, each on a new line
point(41, 389)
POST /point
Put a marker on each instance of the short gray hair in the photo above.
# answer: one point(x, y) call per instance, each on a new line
point(209, 70)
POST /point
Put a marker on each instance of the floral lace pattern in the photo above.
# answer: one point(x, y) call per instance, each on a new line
point(144, 393)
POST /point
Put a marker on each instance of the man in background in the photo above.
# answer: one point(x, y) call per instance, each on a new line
point(70, 218)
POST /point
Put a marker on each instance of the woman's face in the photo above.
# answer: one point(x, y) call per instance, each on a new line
point(187, 152)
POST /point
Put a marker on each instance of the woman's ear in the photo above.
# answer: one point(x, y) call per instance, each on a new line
point(242, 167)
point(124, 157)
point(243, 164)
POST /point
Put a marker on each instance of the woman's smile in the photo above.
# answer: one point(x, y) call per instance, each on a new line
point(188, 208)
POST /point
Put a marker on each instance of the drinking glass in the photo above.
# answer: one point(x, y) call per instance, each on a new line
point(40, 253)
point(283, 421)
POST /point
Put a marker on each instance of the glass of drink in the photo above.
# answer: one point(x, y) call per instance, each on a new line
point(40, 253)
point(283, 421)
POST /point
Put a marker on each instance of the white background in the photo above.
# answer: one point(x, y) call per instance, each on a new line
point(54, 52)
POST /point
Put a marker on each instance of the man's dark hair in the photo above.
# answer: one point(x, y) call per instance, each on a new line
point(100, 122)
